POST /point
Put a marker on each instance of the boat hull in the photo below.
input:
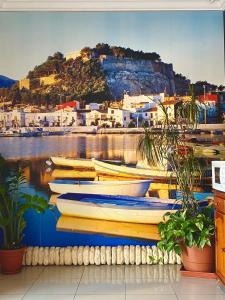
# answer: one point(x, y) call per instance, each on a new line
point(74, 163)
point(95, 211)
point(137, 188)
point(130, 172)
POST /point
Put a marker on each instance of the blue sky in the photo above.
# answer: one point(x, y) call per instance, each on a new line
point(192, 41)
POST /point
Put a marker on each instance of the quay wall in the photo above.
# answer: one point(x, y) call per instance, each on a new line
point(96, 130)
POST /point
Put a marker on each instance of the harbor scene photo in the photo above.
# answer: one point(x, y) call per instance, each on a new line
point(101, 110)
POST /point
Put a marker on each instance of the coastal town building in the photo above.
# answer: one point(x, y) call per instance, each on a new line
point(133, 103)
point(17, 119)
point(12, 119)
point(71, 105)
point(82, 116)
point(96, 117)
point(142, 110)
point(109, 118)
point(93, 106)
point(119, 117)
point(50, 119)
point(145, 116)
point(210, 108)
point(169, 105)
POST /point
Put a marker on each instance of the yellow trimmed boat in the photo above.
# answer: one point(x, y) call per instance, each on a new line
point(130, 172)
point(72, 162)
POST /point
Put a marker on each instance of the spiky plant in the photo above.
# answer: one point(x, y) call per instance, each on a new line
point(13, 205)
point(169, 150)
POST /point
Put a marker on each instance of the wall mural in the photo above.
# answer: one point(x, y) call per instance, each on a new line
point(76, 90)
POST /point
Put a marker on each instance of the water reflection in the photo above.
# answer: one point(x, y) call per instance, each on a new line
point(33, 153)
point(78, 146)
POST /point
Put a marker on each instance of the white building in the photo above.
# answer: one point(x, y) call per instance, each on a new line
point(133, 103)
point(12, 118)
point(119, 117)
point(96, 118)
point(112, 118)
point(169, 105)
point(93, 106)
point(57, 118)
point(147, 117)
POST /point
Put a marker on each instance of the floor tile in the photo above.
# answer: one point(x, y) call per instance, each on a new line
point(15, 287)
point(48, 297)
point(100, 297)
point(51, 286)
point(102, 288)
point(168, 272)
point(61, 272)
point(148, 287)
point(197, 286)
point(151, 297)
point(201, 297)
point(104, 272)
point(27, 273)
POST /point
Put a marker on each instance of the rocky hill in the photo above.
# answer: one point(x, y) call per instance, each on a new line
point(98, 74)
point(138, 76)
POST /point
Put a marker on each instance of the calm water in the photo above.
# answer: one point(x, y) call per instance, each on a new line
point(33, 153)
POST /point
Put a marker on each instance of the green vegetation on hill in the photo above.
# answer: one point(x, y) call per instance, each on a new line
point(53, 65)
point(85, 80)
point(105, 49)
point(76, 79)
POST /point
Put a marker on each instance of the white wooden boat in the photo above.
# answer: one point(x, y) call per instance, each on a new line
point(137, 188)
point(126, 171)
point(79, 163)
point(114, 208)
point(75, 163)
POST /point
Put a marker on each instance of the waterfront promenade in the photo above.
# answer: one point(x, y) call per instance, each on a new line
point(94, 129)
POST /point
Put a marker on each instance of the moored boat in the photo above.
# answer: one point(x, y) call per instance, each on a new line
point(79, 163)
point(9, 133)
point(127, 171)
point(136, 188)
point(114, 208)
point(75, 163)
point(154, 174)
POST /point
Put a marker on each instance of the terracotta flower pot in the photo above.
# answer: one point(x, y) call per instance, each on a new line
point(11, 260)
point(198, 260)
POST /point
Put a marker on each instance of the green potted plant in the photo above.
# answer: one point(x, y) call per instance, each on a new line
point(190, 230)
point(14, 203)
point(190, 234)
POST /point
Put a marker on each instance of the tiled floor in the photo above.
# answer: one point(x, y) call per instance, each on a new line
point(107, 283)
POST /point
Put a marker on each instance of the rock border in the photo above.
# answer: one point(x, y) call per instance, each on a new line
point(98, 255)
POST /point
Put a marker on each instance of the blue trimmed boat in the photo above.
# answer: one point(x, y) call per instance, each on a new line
point(116, 208)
